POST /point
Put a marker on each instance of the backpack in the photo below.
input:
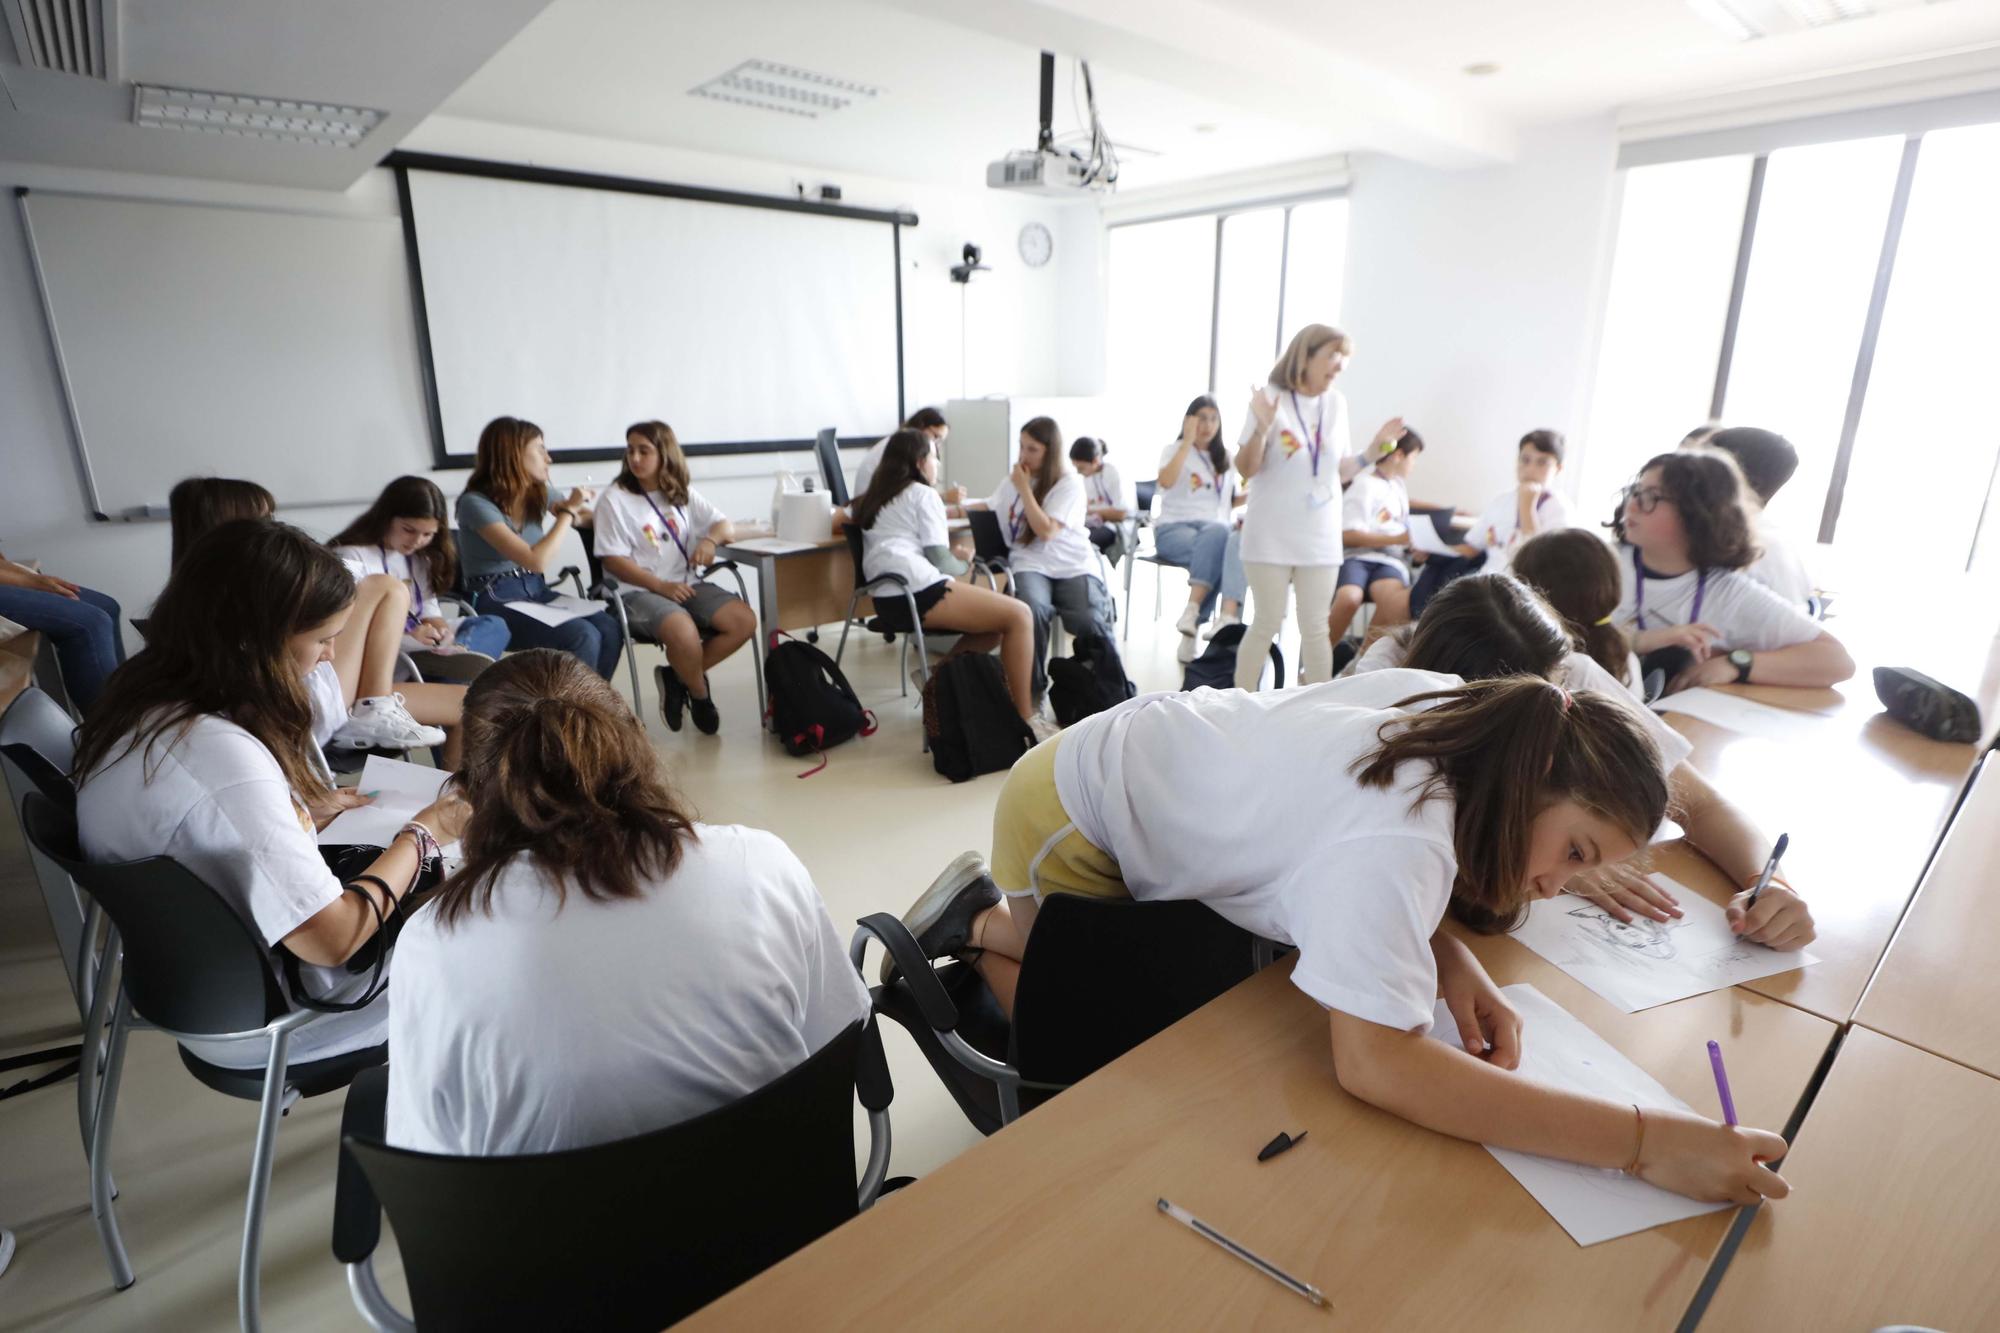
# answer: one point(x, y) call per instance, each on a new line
point(1216, 666)
point(1090, 680)
point(812, 707)
point(970, 720)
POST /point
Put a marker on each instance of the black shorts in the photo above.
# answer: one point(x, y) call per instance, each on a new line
point(894, 612)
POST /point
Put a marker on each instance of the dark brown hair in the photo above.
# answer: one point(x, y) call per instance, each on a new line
point(1045, 432)
point(558, 770)
point(1577, 572)
point(1545, 441)
point(196, 505)
point(216, 643)
point(673, 475)
point(409, 497)
point(926, 418)
point(1487, 625)
point(1706, 490)
point(1218, 456)
point(1766, 458)
point(1502, 751)
point(500, 469)
point(901, 465)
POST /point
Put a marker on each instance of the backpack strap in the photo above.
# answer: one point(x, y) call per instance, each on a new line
point(815, 734)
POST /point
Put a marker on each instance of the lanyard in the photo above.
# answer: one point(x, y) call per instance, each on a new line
point(1299, 412)
point(416, 590)
point(1639, 592)
point(668, 524)
point(1015, 519)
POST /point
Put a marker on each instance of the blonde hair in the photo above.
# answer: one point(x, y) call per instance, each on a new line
point(1290, 372)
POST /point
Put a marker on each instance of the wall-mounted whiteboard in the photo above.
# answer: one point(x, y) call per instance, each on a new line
point(234, 341)
point(586, 309)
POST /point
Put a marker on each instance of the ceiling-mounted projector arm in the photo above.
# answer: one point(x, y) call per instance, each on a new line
point(1048, 138)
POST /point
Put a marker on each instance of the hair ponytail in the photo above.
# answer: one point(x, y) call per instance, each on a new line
point(1578, 574)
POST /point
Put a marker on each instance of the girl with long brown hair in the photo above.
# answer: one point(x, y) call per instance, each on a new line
point(602, 964)
point(406, 534)
point(202, 749)
point(511, 522)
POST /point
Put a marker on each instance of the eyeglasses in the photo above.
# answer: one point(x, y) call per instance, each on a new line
point(1643, 498)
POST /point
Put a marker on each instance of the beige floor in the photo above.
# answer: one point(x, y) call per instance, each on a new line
point(874, 828)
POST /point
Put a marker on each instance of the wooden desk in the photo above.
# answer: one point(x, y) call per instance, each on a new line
point(1051, 1224)
point(1937, 988)
point(1897, 1203)
point(801, 589)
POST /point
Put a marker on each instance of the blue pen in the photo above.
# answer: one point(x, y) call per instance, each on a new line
point(1770, 869)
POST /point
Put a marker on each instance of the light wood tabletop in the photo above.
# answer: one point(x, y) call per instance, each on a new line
point(1937, 988)
point(1896, 1203)
point(1051, 1223)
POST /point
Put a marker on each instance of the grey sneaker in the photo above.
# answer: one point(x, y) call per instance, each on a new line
point(941, 918)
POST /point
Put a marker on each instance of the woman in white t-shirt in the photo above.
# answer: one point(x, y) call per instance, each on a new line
point(927, 420)
point(1692, 612)
point(656, 534)
point(1197, 495)
point(1107, 496)
point(601, 965)
point(1296, 454)
point(1359, 827)
point(202, 749)
point(406, 534)
point(903, 532)
point(1488, 625)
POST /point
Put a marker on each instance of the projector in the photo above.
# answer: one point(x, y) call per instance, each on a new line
point(1043, 171)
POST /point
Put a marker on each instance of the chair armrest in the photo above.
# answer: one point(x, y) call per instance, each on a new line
point(453, 599)
point(574, 575)
point(357, 1216)
point(888, 929)
point(871, 1083)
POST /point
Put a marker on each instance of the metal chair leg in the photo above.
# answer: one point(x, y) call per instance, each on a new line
point(845, 626)
point(631, 654)
point(1131, 559)
point(272, 1105)
point(90, 1063)
point(101, 1209)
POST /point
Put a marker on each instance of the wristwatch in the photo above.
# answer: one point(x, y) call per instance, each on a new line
point(1740, 659)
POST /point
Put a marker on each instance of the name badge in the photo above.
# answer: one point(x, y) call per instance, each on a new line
point(1322, 493)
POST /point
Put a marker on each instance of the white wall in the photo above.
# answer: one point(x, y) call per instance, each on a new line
point(1474, 300)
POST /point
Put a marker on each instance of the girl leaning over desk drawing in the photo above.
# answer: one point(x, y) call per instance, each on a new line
point(1363, 823)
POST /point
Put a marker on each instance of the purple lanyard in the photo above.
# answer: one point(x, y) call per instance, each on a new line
point(668, 523)
point(1639, 592)
point(416, 615)
point(1015, 521)
point(1299, 412)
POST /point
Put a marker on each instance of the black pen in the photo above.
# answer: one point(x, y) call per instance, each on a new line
point(1770, 869)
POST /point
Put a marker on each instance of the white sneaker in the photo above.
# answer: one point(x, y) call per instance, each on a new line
point(1190, 620)
point(1222, 621)
point(1185, 653)
point(1043, 727)
point(383, 723)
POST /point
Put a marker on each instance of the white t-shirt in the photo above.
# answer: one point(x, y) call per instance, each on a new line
point(361, 561)
point(1577, 671)
point(865, 472)
point(1293, 515)
point(1498, 529)
point(329, 704)
point(1068, 553)
point(904, 527)
point(1296, 851)
point(1377, 505)
point(1106, 487)
point(1198, 495)
point(1743, 611)
point(537, 1029)
point(216, 801)
point(1781, 568)
point(651, 533)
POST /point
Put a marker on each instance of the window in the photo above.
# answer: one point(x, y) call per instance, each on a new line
point(1277, 268)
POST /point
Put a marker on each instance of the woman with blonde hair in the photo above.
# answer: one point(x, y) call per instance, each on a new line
point(1296, 453)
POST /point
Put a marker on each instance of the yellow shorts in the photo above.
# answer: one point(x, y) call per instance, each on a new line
point(1036, 848)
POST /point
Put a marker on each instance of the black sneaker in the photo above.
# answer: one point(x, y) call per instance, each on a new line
point(673, 695)
point(702, 710)
point(1926, 706)
point(941, 918)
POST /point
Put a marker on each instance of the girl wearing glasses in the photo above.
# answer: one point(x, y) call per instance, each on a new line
point(1693, 614)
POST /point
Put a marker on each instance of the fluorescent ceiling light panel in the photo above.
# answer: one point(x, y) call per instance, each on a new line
point(280, 120)
point(770, 86)
point(1744, 20)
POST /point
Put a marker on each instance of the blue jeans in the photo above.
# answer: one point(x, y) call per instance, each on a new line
point(1235, 583)
point(1198, 548)
point(1438, 571)
point(594, 638)
point(483, 634)
point(1082, 602)
point(84, 632)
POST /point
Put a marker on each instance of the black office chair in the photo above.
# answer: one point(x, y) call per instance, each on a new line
point(1100, 977)
point(867, 587)
point(633, 1234)
point(192, 967)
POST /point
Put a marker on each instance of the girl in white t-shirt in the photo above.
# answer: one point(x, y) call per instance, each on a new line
point(1197, 496)
point(601, 965)
point(202, 749)
point(1691, 611)
point(903, 532)
point(1296, 454)
point(406, 534)
point(1107, 496)
point(1360, 826)
point(1576, 571)
point(657, 535)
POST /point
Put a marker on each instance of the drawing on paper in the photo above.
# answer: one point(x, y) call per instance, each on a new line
point(1621, 939)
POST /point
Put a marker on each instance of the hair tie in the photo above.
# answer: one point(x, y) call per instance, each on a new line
point(1602, 620)
point(1565, 697)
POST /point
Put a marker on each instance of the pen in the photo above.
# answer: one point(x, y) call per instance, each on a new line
point(1770, 869)
point(1722, 1084)
point(1268, 1269)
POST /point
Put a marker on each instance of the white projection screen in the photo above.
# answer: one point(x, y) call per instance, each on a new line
point(585, 309)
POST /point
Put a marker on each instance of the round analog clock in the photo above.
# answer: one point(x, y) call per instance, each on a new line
point(1036, 245)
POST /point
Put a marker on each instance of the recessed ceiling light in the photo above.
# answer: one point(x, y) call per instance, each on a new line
point(281, 120)
point(770, 86)
point(1481, 68)
point(1204, 128)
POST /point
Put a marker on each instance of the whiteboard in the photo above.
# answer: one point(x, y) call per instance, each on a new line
point(585, 310)
point(233, 341)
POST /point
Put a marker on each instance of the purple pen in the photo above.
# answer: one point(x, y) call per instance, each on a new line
point(1722, 1084)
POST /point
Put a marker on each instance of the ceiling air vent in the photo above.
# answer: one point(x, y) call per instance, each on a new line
point(278, 119)
point(783, 88)
point(61, 36)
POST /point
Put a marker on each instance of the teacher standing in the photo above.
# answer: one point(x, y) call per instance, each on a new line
point(1297, 454)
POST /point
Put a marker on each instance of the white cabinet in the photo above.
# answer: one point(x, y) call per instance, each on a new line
point(984, 432)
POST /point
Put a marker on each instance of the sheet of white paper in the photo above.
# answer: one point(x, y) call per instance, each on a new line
point(561, 611)
point(1644, 963)
point(1424, 536)
point(401, 790)
point(771, 545)
point(1589, 1203)
point(1745, 715)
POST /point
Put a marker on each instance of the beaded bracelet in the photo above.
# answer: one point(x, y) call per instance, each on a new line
point(428, 850)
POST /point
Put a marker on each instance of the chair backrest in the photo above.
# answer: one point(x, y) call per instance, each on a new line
point(1102, 975)
point(827, 449)
point(633, 1234)
point(1143, 493)
point(988, 543)
point(852, 531)
point(191, 963)
point(40, 738)
point(587, 534)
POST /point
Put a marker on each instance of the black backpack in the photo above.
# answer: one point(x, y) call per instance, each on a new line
point(1090, 680)
point(970, 720)
point(1216, 666)
point(812, 707)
